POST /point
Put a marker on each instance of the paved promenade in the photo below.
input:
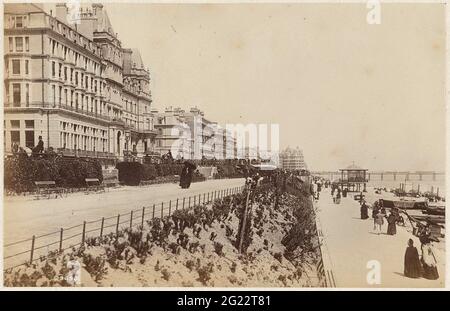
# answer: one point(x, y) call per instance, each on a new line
point(350, 243)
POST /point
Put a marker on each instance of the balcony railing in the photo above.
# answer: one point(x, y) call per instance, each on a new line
point(84, 153)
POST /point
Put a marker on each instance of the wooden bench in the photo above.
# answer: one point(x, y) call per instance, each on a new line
point(47, 188)
point(93, 184)
point(110, 183)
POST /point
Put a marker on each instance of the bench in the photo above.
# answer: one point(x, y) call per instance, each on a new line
point(110, 183)
point(47, 188)
point(93, 184)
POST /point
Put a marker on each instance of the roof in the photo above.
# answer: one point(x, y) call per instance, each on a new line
point(136, 59)
point(353, 167)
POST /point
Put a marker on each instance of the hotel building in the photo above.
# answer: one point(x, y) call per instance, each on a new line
point(73, 83)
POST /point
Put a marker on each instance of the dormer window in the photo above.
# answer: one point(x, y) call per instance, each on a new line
point(19, 22)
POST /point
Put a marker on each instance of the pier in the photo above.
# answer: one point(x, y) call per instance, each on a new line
point(390, 175)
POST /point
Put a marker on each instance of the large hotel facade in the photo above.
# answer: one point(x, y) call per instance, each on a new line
point(73, 84)
point(69, 80)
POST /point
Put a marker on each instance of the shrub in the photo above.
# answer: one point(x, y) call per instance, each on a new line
point(149, 172)
point(130, 173)
point(22, 171)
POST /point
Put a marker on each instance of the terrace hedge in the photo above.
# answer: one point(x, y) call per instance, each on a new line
point(22, 171)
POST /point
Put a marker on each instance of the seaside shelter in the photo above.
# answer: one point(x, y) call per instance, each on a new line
point(353, 178)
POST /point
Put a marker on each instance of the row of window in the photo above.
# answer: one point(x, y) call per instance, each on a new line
point(77, 78)
point(72, 127)
point(16, 65)
point(83, 142)
point(15, 138)
point(61, 50)
point(17, 89)
point(16, 124)
point(19, 44)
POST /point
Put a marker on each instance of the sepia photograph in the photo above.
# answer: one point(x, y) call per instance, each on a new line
point(253, 144)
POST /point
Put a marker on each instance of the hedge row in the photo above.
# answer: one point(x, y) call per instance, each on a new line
point(228, 171)
point(22, 171)
point(132, 173)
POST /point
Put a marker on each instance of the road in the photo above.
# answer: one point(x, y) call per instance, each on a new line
point(26, 216)
point(352, 247)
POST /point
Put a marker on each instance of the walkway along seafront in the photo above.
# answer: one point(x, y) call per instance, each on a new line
point(350, 243)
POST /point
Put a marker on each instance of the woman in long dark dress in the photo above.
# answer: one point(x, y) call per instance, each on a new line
point(188, 171)
point(392, 227)
point(364, 211)
point(183, 176)
point(413, 269)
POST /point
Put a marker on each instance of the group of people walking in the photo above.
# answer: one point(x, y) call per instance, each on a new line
point(379, 214)
point(415, 266)
point(426, 266)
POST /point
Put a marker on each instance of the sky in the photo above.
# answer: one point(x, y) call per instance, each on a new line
point(341, 89)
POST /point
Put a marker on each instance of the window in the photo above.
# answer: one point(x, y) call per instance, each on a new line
point(19, 44)
point(15, 124)
point(53, 69)
point(71, 74)
point(54, 94)
point(11, 47)
point(60, 95)
point(15, 137)
point(65, 73)
point(16, 94)
point(27, 44)
point(19, 21)
point(29, 139)
point(27, 93)
point(59, 70)
point(16, 67)
point(65, 96)
point(29, 124)
point(26, 67)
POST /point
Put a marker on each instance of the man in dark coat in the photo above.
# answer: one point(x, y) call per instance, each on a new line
point(413, 268)
point(39, 147)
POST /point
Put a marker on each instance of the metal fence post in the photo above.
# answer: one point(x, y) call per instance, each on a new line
point(162, 210)
point(176, 206)
point(32, 248)
point(61, 239)
point(84, 232)
point(101, 227)
point(204, 194)
point(131, 220)
point(208, 197)
point(117, 224)
point(170, 206)
point(189, 204)
point(143, 215)
point(195, 199)
point(153, 214)
point(184, 199)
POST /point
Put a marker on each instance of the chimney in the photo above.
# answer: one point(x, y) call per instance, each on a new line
point(61, 12)
point(97, 8)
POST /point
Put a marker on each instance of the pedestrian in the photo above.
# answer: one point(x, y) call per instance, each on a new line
point(392, 228)
point(429, 261)
point(40, 146)
point(186, 174)
point(338, 198)
point(413, 268)
point(379, 221)
point(364, 211)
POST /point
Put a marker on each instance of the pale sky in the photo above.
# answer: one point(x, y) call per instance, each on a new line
point(341, 89)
